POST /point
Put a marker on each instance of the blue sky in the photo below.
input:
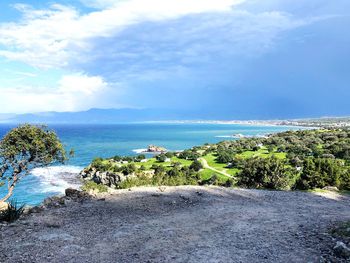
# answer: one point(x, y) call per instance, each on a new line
point(235, 58)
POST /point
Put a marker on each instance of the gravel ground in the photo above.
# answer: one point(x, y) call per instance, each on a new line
point(181, 224)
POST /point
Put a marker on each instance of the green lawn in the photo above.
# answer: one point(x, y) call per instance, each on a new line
point(263, 153)
point(182, 161)
point(207, 173)
point(210, 158)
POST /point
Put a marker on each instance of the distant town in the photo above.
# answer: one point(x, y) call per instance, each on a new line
point(325, 122)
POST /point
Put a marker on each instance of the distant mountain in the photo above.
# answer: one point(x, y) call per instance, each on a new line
point(106, 116)
point(5, 117)
point(103, 116)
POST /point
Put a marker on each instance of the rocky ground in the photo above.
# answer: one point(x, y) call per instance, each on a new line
point(179, 224)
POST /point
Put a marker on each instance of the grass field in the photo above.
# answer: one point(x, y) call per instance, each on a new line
point(210, 158)
point(263, 153)
point(207, 173)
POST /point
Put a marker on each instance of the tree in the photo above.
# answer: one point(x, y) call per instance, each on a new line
point(320, 172)
point(161, 158)
point(196, 166)
point(270, 173)
point(224, 157)
point(24, 148)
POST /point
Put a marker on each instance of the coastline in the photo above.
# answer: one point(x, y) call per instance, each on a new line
point(233, 122)
point(302, 123)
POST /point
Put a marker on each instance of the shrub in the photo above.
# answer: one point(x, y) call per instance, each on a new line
point(161, 158)
point(212, 180)
point(12, 213)
point(169, 154)
point(270, 173)
point(196, 166)
point(345, 180)
point(320, 172)
point(92, 186)
point(189, 155)
point(128, 169)
point(224, 157)
point(140, 157)
point(140, 180)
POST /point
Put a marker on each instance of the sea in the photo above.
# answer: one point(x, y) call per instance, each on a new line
point(91, 141)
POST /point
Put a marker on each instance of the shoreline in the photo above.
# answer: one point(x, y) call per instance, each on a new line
point(247, 123)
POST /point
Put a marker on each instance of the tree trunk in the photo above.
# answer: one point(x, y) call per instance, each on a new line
point(10, 189)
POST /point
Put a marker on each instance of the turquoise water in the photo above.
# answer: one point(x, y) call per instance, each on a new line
point(90, 141)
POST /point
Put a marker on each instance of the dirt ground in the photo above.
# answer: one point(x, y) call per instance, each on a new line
point(181, 224)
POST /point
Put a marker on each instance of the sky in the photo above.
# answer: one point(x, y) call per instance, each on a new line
point(232, 58)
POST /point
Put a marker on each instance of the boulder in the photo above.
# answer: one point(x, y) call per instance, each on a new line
point(74, 193)
point(54, 201)
point(341, 250)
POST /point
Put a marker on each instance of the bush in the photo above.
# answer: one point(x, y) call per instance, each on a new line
point(320, 172)
point(212, 180)
point(345, 180)
point(270, 173)
point(92, 186)
point(12, 213)
point(224, 157)
point(101, 164)
point(128, 169)
point(189, 155)
point(140, 180)
point(161, 158)
point(196, 166)
point(140, 157)
point(169, 154)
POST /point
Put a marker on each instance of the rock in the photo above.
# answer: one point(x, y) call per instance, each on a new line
point(36, 209)
point(331, 188)
point(54, 201)
point(76, 194)
point(341, 250)
point(156, 149)
point(3, 206)
point(70, 192)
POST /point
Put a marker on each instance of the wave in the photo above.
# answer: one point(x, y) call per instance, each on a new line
point(55, 179)
point(139, 150)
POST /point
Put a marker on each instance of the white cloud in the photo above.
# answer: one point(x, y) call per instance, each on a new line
point(74, 92)
point(50, 38)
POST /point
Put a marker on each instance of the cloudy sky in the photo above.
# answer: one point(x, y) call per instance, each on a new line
point(238, 58)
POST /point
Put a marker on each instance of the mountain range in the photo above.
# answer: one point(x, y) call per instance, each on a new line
point(101, 116)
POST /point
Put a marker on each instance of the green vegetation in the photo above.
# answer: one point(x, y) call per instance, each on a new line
point(12, 212)
point(90, 186)
point(25, 148)
point(269, 173)
point(304, 160)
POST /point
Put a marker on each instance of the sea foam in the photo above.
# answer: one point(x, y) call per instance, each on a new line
point(139, 150)
point(56, 179)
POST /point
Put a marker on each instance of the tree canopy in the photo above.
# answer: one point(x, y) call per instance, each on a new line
point(24, 148)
